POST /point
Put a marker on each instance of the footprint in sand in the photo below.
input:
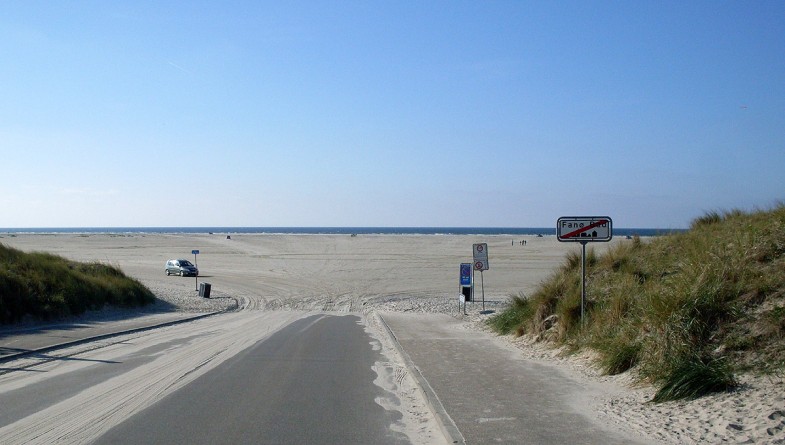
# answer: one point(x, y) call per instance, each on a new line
point(776, 416)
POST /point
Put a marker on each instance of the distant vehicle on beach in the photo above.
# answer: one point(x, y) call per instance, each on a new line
point(181, 267)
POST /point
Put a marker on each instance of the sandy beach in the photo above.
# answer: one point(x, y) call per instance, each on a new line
point(323, 272)
point(419, 273)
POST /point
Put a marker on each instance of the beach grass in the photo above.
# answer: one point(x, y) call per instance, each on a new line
point(686, 311)
point(43, 286)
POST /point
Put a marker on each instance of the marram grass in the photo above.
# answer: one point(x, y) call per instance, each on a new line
point(693, 377)
point(43, 286)
point(685, 310)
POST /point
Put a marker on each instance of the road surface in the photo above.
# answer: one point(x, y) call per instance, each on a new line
point(311, 382)
point(245, 377)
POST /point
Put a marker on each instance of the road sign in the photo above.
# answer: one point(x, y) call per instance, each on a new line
point(480, 256)
point(584, 228)
point(466, 274)
point(196, 277)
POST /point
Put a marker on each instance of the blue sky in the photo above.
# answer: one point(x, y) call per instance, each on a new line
point(376, 113)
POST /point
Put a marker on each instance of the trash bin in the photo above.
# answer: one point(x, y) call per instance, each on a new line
point(204, 290)
point(467, 292)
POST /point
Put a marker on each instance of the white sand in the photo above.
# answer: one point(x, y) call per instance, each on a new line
point(412, 273)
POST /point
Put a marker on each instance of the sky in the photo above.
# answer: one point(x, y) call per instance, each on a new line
point(388, 113)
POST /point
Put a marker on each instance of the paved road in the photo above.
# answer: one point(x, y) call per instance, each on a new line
point(247, 377)
point(311, 382)
point(287, 377)
point(490, 393)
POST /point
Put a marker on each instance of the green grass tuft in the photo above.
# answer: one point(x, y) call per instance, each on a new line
point(618, 354)
point(509, 321)
point(693, 377)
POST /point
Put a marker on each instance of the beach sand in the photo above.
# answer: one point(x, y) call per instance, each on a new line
point(417, 273)
point(325, 272)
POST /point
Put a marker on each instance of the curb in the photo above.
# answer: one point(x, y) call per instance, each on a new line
point(67, 344)
point(448, 427)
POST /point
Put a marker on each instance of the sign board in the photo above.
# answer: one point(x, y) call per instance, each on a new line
point(480, 256)
point(466, 274)
point(194, 252)
point(584, 228)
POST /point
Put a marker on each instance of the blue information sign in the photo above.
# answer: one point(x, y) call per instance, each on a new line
point(194, 252)
point(466, 274)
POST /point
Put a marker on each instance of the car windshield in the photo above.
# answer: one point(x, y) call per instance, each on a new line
point(185, 263)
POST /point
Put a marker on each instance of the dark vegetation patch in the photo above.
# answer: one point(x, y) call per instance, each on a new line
point(43, 286)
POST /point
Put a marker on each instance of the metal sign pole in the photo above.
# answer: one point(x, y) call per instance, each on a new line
point(583, 279)
point(196, 264)
point(482, 284)
point(480, 258)
point(584, 229)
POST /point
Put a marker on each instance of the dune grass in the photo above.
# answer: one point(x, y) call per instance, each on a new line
point(687, 311)
point(45, 287)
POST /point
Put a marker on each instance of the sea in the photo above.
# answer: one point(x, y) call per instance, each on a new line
point(543, 231)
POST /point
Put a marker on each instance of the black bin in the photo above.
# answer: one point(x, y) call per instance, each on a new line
point(204, 290)
point(467, 292)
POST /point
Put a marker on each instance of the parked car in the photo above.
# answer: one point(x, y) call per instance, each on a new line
point(181, 267)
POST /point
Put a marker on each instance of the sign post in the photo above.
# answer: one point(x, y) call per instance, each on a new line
point(465, 286)
point(584, 229)
point(196, 277)
point(480, 254)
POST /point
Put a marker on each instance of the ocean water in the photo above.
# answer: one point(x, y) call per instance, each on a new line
point(544, 231)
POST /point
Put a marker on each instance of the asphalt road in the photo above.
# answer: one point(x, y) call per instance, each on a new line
point(281, 377)
point(310, 382)
point(492, 394)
